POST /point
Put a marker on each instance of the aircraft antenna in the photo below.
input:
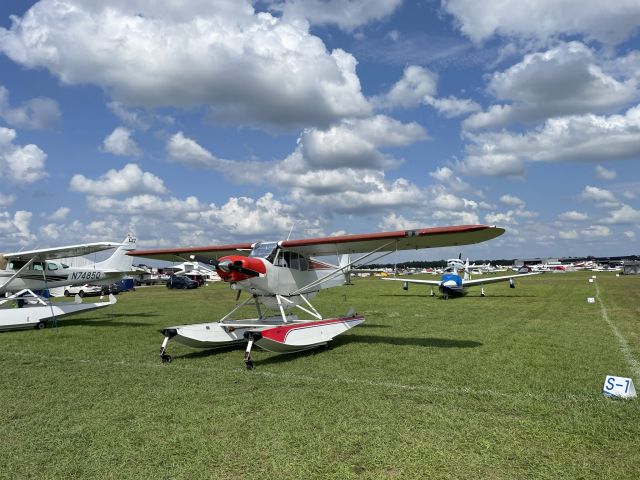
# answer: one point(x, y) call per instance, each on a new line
point(291, 229)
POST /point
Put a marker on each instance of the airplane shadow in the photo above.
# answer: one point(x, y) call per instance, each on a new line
point(429, 342)
point(106, 320)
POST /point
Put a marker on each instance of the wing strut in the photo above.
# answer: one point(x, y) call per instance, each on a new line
point(13, 277)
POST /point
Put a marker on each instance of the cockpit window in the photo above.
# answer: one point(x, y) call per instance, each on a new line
point(264, 250)
point(51, 266)
point(64, 266)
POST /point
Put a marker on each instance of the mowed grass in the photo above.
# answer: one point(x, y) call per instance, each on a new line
point(506, 386)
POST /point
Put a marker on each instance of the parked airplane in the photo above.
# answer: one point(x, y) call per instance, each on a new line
point(25, 272)
point(451, 284)
point(282, 275)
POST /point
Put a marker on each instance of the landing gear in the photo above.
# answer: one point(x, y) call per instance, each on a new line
point(164, 357)
point(40, 325)
point(248, 362)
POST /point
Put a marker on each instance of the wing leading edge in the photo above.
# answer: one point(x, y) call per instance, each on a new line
point(61, 252)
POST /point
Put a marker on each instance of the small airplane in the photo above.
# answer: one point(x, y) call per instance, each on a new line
point(283, 275)
point(22, 274)
point(451, 284)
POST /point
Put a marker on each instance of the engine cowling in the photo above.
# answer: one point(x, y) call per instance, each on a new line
point(235, 268)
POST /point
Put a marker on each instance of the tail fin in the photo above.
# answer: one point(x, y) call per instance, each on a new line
point(120, 261)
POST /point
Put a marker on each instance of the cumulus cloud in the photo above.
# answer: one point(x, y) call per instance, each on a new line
point(511, 200)
point(418, 86)
point(14, 229)
point(573, 216)
point(596, 231)
point(347, 15)
point(582, 138)
point(6, 200)
point(131, 179)
point(625, 215)
point(598, 195)
point(58, 215)
point(20, 164)
point(629, 234)
point(445, 176)
point(37, 113)
point(545, 19)
point(604, 173)
point(564, 80)
point(568, 234)
point(250, 68)
point(119, 142)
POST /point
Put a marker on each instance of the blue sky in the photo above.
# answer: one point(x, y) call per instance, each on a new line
point(192, 125)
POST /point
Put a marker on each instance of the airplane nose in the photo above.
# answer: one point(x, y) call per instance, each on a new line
point(224, 266)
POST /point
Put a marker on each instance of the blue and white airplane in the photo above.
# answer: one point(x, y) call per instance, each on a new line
point(451, 284)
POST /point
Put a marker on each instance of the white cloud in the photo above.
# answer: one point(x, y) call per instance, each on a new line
point(189, 152)
point(596, 231)
point(630, 235)
point(394, 222)
point(598, 194)
point(58, 215)
point(20, 164)
point(446, 176)
point(573, 216)
point(511, 200)
point(564, 80)
point(129, 116)
point(355, 143)
point(568, 234)
point(347, 15)
point(416, 84)
point(37, 113)
point(14, 229)
point(605, 174)
point(545, 19)
point(6, 200)
point(625, 215)
point(119, 142)
point(131, 179)
point(250, 68)
point(586, 138)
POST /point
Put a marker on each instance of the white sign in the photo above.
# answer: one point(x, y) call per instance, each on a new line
point(593, 276)
point(591, 300)
point(591, 280)
point(618, 387)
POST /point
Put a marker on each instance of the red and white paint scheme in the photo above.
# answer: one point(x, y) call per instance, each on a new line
point(283, 275)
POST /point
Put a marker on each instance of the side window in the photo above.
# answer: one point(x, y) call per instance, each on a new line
point(51, 266)
point(37, 266)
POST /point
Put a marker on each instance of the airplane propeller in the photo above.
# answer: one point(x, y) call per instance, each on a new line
point(226, 266)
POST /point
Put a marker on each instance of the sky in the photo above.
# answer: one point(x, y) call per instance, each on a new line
point(191, 124)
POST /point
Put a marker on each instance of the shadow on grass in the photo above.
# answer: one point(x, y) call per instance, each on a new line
point(467, 295)
point(107, 320)
point(407, 341)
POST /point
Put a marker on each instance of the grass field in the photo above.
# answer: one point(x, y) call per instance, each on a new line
point(506, 386)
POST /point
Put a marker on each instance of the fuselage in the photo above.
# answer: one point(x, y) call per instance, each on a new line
point(451, 284)
point(270, 271)
point(51, 274)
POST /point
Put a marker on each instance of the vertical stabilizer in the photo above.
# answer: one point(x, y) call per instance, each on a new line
point(120, 261)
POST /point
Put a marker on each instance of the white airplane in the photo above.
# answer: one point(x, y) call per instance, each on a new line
point(282, 275)
point(451, 284)
point(24, 273)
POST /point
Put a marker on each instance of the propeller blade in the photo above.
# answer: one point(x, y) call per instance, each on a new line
point(207, 261)
point(244, 271)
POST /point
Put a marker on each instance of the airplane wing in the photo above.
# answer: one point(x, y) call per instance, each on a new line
point(211, 252)
point(61, 252)
point(422, 282)
point(484, 281)
point(391, 241)
point(344, 244)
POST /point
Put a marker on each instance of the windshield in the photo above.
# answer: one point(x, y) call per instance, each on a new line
point(264, 250)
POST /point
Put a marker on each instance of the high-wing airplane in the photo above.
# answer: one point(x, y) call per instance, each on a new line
point(283, 275)
point(24, 273)
point(451, 284)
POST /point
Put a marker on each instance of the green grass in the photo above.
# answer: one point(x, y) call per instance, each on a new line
point(506, 386)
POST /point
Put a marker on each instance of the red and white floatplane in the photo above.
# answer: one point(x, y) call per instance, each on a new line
point(282, 275)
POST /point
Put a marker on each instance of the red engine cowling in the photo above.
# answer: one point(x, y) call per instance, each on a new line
point(236, 268)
